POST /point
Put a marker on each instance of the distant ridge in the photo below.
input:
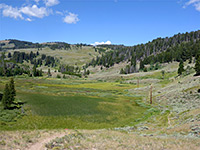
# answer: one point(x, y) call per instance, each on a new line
point(180, 46)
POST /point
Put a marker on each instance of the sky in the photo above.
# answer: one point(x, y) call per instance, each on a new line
point(127, 22)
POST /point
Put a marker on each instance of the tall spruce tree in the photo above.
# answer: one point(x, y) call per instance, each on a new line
point(141, 65)
point(34, 71)
point(12, 91)
point(6, 96)
point(9, 55)
point(181, 68)
point(49, 72)
point(197, 65)
point(40, 72)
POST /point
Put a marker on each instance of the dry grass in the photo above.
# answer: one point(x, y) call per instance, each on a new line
point(98, 139)
point(12, 140)
point(116, 140)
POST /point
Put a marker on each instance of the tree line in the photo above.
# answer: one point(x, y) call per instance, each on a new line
point(180, 46)
point(20, 57)
point(17, 44)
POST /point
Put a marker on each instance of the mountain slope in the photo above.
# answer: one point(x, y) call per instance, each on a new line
point(180, 46)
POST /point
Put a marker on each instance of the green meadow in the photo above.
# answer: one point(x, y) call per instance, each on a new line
point(75, 104)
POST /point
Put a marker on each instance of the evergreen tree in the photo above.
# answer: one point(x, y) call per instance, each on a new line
point(88, 72)
point(141, 65)
point(151, 65)
point(31, 55)
point(49, 72)
point(37, 53)
point(163, 74)
point(34, 71)
point(197, 65)
point(156, 66)
point(12, 91)
point(40, 72)
point(181, 68)
point(122, 71)
point(9, 55)
point(145, 69)
point(5, 99)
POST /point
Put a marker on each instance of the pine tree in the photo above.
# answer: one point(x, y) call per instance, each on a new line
point(40, 72)
point(88, 72)
point(181, 68)
point(156, 66)
point(34, 71)
point(163, 74)
point(49, 72)
point(122, 71)
point(5, 99)
point(9, 55)
point(197, 66)
point(145, 69)
point(141, 65)
point(12, 91)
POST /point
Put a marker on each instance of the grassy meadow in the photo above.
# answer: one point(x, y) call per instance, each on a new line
point(108, 113)
point(75, 104)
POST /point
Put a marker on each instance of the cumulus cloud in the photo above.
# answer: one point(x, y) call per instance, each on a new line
point(49, 3)
point(102, 43)
point(71, 18)
point(195, 3)
point(28, 19)
point(34, 11)
point(30, 11)
point(9, 11)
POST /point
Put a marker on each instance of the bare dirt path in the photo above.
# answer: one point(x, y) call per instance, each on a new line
point(169, 122)
point(40, 145)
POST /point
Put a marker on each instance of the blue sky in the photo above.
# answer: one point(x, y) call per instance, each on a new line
point(127, 22)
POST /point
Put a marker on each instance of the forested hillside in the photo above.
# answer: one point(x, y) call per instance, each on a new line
point(35, 59)
point(176, 48)
point(17, 44)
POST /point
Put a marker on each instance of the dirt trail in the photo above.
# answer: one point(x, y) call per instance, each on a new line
point(169, 122)
point(40, 144)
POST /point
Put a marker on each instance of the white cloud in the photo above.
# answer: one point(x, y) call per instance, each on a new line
point(59, 13)
point(192, 2)
point(2, 6)
point(49, 3)
point(102, 43)
point(28, 12)
point(28, 19)
point(71, 18)
point(35, 11)
point(197, 6)
point(9, 11)
point(31, 11)
point(36, 1)
point(195, 3)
